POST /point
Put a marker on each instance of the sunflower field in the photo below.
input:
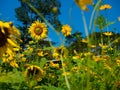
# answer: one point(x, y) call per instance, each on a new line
point(78, 63)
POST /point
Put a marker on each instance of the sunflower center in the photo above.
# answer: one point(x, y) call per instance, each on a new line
point(3, 39)
point(59, 51)
point(38, 30)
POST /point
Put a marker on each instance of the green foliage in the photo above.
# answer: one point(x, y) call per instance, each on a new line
point(42, 62)
point(88, 63)
point(12, 77)
point(102, 23)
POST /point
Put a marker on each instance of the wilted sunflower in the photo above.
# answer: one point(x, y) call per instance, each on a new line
point(83, 4)
point(66, 30)
point(33, 72)
point(38, 30)
point(60, 51)
point(8, 36)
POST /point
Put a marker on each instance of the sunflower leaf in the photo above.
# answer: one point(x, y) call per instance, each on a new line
point(109, 23)
point(43, 62)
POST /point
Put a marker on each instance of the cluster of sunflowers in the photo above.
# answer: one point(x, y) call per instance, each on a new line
point(10, 48)
point(53, 68)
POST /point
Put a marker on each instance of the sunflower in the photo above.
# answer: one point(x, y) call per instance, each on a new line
point(105, 6)
point(33, 72)
point(42, 53)
point(83, 4)
point(84, 41)
point(108, 33)
point(38, 30)
point(8, 36)
point(66, 30)
point(60, 51)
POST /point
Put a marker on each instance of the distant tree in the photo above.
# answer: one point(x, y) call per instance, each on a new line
point(96, 36)
point(73, 42)
point(113, 40)
point(48, 8)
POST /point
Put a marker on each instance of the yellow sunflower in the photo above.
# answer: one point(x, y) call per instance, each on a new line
point(60, 51)
point(8, 36)
point(83, 4)
point(66, 30)
point(42, 53)
point(108, 33)
point(38, 30)
point(105, 6)
point(10, 58)
point(84, 41)
point(33, 72)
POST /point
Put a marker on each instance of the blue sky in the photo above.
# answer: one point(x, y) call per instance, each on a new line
point(7, 13)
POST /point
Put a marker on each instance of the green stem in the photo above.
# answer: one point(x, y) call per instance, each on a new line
point(101, 36)
point(37, 46)
point(70, 16)
point(110, 44)
point(93, 12)
point(85, 25)
point(89, 43)
point(66, 79)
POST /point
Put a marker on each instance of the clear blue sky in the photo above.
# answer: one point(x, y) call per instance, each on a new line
point(7, 13)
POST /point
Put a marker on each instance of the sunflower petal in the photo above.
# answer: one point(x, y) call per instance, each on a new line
point(12, 43)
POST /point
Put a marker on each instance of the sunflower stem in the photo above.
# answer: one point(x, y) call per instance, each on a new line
point(66, 79)
point(85, 25)
point(89, 43)
point(93, 12)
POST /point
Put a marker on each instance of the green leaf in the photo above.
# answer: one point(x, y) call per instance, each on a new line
point(12, 77)
point(43, 61)
point(109, 23)
point(54, 88)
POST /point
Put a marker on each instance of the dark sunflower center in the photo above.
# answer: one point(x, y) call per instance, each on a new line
point(38, 30)
point(3, 38)
point(33, 72)
point(59, 51)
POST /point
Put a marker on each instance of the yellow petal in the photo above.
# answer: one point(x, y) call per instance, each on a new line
point(16, 49)
point(12, 43)
point(9, 51)
point(31, 67)
point(3, 31)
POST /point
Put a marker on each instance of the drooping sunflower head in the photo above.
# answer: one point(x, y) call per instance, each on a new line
point(8, 35)
point(83, 4)
point(66, 30)
point(33, 72)
point(38, 30)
